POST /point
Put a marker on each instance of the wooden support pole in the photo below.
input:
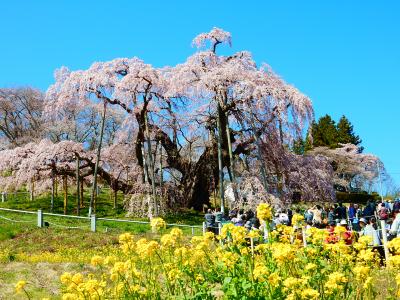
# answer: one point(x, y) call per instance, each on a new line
point(81, 191)
point(78, 194)
point(65, 188)
point(53, 190)
point(384, 238)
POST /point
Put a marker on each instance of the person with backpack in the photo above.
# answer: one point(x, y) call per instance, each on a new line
point(396, 205)
point(210, 221)
point(341, 211)
point(331, 215)
point(368, 211)
point(308, 216)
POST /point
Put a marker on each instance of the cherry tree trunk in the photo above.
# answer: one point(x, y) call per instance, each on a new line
point(115, 195)
point(53, 190)
point(32, 189)
point(197, 184)
point(78, 194)
point(93, 196)
point(65, 188)
point(56, 185)
point(81, 191)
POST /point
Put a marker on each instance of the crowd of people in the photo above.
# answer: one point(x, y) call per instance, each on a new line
point(356, 219)
point(239, 217)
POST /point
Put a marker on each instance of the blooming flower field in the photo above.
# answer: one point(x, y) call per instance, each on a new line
point(236, 265)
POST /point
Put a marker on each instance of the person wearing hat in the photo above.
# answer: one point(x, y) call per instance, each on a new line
point(367, 229)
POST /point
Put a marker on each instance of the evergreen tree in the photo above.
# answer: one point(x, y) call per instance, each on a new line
point(301, 146)
point(325, 133)
point(308, 143)
point(346, 133)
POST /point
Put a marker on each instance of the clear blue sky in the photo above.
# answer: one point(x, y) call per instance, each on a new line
point(345, 55)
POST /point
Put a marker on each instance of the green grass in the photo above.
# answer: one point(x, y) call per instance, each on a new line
point(42, 278)
point(104, 207)
point(23, 235)
point(21, 239)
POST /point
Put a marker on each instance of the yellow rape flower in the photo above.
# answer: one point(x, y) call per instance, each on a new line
point(119, 267)
point(238, 234)
point(199, 278)
point(20, 286)
point(335, 282)
point(361, 272)
point(292, 283)
point(260, 272)
point(181, 252)
point(254, 233)
point(94, 287)
point(225, 231)
point(368, 282)
point(109, 260)
point(244, 251)
point(398, 279)
point(274, 279)
point(310, 294)
point(264, 212)
point(114, 276)
point(297, 220)
point(229, 259)
point(366, 255)
point(339, 230)
point(65, 278)
point(174, 274)
point(125, 238)
point(283, 252)
point(157, 224)
point(173, 238)
point(77, 278)
point(69, 296)
point(394, 245)
point(208, 236)
point(97, 260)
point(310, 267)
point(394, 261)
point(176, 232)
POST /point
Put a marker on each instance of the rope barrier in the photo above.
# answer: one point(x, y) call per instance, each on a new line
point(19, 211)
point(68, 227)
point(16, 221)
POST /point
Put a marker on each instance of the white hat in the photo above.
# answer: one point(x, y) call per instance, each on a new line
point(343, 222)
point(363, 220)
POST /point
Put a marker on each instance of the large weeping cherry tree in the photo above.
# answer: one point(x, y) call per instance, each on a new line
point(207, 114)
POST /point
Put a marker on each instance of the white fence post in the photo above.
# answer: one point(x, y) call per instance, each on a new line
point(303, 233)
point(219, 228)
point(384, 237)
point(192, 230)
point(204, 228)
point(93, 223)
point(266, 234)
point(40, 218)
point(3, 196)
